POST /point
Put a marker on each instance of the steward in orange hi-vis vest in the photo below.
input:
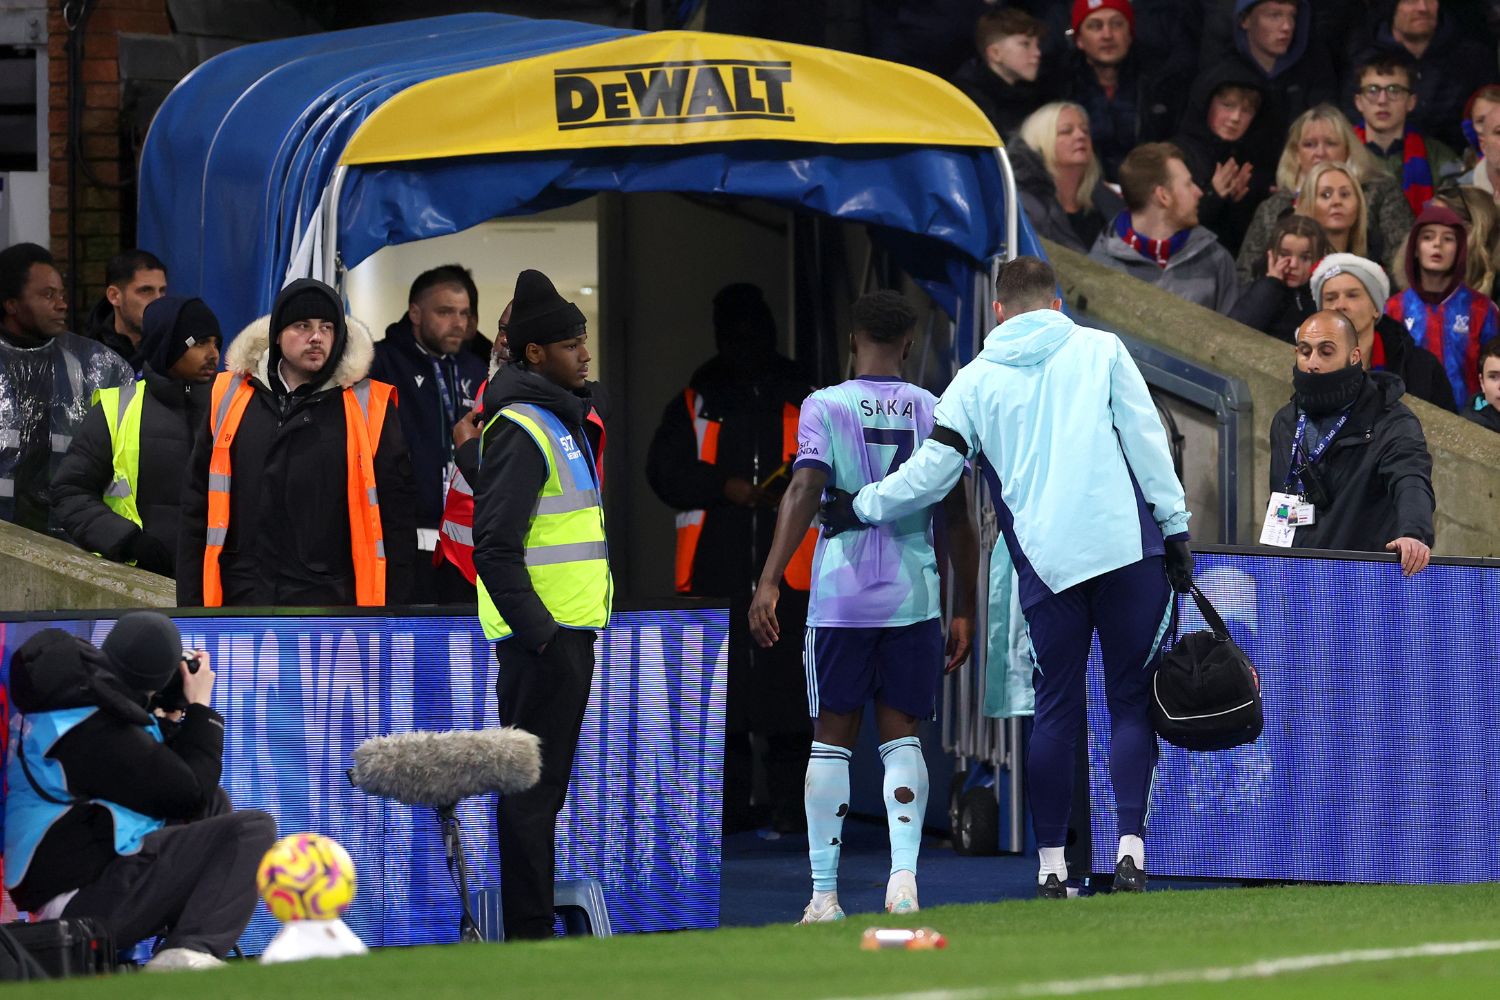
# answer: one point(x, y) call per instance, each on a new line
point(301, 490)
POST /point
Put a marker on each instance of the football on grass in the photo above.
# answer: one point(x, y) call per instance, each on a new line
point(306, 876)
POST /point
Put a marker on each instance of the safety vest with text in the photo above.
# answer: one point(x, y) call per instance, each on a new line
point(122, 407)
point(798, 573)
point(365, 408)
point(566, 555)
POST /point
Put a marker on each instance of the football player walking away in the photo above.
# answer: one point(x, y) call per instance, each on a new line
point(1096, 523)
point(874, 621)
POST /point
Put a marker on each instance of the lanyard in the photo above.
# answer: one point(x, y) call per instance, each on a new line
point(1316, 452)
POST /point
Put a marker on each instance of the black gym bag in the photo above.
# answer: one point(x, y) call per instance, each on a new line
point(1205, 694)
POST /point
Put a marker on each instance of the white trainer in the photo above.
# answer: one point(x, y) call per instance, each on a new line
point(172, 959)
point(901, 893)
point(830, 911)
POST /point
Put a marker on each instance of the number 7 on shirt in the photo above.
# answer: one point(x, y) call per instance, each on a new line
point(903, 439)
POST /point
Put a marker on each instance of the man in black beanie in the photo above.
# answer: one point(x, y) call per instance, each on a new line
point(300, 491)
point(543, 573)
point(113, 817)
point(111, 495)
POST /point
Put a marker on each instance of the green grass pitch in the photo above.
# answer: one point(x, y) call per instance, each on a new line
point(1010, 949)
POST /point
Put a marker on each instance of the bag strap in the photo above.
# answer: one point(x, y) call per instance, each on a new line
point(1211, 616)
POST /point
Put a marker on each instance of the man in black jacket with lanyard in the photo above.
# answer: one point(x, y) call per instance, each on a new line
point(543, 574)
point(1349, 463)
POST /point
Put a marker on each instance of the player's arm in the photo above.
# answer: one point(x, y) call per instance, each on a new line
point(798, 506)
point(923, 480)
point(963, 555)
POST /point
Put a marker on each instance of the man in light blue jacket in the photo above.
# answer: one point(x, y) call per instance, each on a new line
point(1095, 521)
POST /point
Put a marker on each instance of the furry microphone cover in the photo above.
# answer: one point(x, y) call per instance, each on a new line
point(441, 769)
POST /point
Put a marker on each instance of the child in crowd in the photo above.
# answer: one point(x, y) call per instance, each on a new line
point(1484, 408)
point(1279, 300)
point(1443, 313)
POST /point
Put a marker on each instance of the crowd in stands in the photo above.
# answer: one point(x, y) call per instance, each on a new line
point(1219, 149)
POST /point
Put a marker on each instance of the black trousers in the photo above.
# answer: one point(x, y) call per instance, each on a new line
point(195, 881)
point(545, 695)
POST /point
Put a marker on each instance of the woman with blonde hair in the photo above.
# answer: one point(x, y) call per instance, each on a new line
point(1059, 178)
point(1331, 196)
point(1319, 134)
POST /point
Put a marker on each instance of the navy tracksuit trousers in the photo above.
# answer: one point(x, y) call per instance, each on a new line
point(1127, 607)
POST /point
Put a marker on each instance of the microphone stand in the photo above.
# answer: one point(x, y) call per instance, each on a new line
point(468, 928)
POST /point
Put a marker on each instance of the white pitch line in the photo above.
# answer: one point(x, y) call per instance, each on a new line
point(1263, 969)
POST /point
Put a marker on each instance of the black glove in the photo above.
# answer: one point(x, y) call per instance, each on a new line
point(151, 555)
point(1179, 565)
point(838, 513)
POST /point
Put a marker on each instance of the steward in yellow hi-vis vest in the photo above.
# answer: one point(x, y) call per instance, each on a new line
point(543, 573)
point(118, 490)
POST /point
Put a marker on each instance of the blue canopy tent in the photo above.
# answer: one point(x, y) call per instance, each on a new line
point(307, 155)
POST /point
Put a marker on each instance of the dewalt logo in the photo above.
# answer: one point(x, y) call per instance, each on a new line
point(672, 93)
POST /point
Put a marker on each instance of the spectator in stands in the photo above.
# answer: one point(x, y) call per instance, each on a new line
point(1323, 133)
point(1358, 288)
point(1227, 156)
point(1482, 216)
point(1001, 77)
point(1384, 97)
point(1330, 195)
point(1347, 447)
point(437, 382)
point(1485, 120)
point(1059, 178)
point(132, 281)
point(1129, 99)
point(1443, 313)
point(1157, 238)
point(1448, 64)
point(1273, 41)
point(47, 378)
point(115, 497)
point(300, 491)
point(1484, 408)
point(1280, 300)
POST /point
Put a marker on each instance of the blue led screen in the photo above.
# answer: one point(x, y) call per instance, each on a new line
point(1380, 760)
point(299, 694)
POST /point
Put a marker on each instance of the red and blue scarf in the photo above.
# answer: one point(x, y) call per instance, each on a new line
point(1416, 172)
point(1159, 252)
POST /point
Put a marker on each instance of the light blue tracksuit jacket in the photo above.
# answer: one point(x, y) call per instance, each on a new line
point(1082, 471)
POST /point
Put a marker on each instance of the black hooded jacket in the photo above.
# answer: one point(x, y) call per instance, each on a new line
point(1145, 107)
point(171, 415)
point(1377, 472)
point(511, 475)
point(109, 755)
point(101, 327)
point(288, 543)
point(1273, 307)
point(1006, 105)
point(749, 402)
point(1419, 370)
point(1203, 151)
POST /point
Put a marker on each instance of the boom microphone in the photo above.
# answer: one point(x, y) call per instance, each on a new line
point(441, 769)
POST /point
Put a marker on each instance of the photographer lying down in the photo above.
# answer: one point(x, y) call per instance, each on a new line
point(114, 809)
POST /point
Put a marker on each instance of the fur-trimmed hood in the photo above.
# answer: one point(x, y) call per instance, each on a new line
point(251, 353)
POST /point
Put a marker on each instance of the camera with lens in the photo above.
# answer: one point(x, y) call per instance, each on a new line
point(172, 698)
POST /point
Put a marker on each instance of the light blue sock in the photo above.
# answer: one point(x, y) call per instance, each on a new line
point(905, 799)
point(826, 794)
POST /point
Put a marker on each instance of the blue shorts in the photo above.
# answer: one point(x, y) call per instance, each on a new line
point(900, 666)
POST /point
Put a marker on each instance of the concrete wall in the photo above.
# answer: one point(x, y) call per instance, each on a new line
point(38, 573)
point(1466, 457)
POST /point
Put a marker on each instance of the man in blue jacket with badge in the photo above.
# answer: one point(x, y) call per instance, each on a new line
point(1095, 521)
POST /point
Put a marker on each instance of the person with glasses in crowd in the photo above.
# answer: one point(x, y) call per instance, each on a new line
point(1385, 100)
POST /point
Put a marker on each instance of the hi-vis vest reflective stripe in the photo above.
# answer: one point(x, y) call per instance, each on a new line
point(122, 412)
point(30, 813)
point(566, 555)
point(690, 522)
point(364, 416)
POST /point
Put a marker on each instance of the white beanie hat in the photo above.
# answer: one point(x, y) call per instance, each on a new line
point(1369, 273)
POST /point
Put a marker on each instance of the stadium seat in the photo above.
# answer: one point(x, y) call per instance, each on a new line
point(580, 903)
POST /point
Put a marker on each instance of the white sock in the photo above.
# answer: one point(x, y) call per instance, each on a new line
point(1134, 848)
point(826, 793)
point(1053, 862)
point(905, 789)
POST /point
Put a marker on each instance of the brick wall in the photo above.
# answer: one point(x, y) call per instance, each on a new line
point(105, 214)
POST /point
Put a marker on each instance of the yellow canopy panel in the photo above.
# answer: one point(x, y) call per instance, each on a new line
point(669, 88)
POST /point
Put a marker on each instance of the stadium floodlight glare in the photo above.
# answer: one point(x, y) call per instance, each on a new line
point(440, 770)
